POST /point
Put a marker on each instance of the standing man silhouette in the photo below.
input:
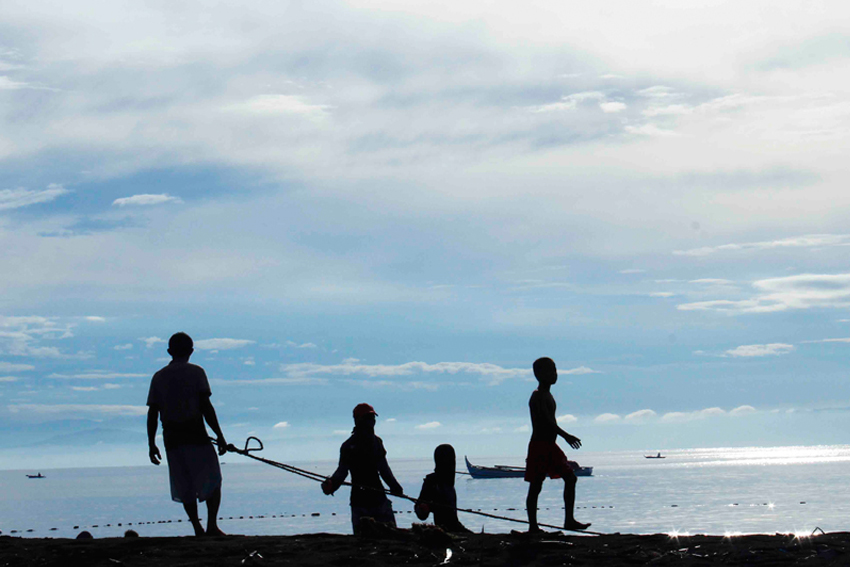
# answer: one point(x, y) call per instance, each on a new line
point(545, 458)
point(180, 395)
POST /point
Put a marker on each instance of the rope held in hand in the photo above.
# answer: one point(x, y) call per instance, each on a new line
point(248, 450)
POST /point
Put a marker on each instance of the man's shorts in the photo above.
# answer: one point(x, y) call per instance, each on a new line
point(382, 513)
point(193, 472)
point(544, 459)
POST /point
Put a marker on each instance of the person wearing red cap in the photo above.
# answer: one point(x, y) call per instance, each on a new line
point(364, 456)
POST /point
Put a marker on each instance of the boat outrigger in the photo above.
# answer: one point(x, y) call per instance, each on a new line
point(506, 471)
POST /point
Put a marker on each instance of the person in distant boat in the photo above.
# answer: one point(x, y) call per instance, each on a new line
point(438, 492)
point(364, 456)
point(180, 395)
point(545, 458)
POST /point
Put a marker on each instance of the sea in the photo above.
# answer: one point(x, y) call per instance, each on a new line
point(719, 491)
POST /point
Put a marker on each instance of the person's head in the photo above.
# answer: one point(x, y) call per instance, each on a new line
point(545, 371)
point(180, 345)
point(444, 458)
point(364, 416)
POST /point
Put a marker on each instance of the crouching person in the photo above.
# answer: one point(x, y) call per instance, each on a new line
point(364, 456)
point(438, 492)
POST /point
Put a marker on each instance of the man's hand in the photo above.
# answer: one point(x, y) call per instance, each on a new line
point(573, 441)
point(153, 453)
point(328, 486)
point(222, 445)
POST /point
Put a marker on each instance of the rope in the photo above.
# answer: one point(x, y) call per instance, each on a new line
point(321, 478)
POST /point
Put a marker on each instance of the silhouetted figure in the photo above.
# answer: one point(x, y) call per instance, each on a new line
point(364, 456)
point(438, 492)
point(180, 394)
point(545, 458)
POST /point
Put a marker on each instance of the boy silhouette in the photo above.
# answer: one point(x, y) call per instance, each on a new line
point(364, 456)
point(545, 458)
point(180, 395)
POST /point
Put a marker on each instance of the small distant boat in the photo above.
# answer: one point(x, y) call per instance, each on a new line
point(507, 471)
point(658, 456)
point(39, 475)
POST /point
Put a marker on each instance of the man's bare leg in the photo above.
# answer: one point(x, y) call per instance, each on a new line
point(213, 502)
point(531, 505)
point(191, 508)
point(570, 523)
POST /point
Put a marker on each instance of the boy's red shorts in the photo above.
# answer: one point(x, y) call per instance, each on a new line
point(544, 459)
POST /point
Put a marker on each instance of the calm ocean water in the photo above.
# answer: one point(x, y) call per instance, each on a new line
point(712, 491)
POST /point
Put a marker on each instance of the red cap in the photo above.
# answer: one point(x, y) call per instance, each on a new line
point(361, 410)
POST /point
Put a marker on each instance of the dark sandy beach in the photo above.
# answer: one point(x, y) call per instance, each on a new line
point(430, 548)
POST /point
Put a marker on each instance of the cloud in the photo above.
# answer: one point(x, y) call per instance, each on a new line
point(127, 346)
point(85, 388)
point(662, 294)
point(11, 367)
point(803, 291)
point(222, 344)
point(391, 420)
point(742, 410)
point(805, 241)
point(145, 199)
point(843, 340)
point(650, 130)
point(74, 410)
point(281, 425)
point(569, 102)
point(607, 418)
point(712, 281)
point(293, 344)
point(96, 319)
point(8, 379)
point(349, 367)
point(97, 375)
point(640, 415)
point(429, 425)
point(580, 370)
point(150, 342)
point(611, 107)
point(523, 429)
point(111, 386)
point(772, 349)
point(291, 381)
point(18, 198)
point(633, 271)
point(567, 418)
point(281, 104)
point(677, 416)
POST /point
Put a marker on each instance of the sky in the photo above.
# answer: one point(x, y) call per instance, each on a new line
point(407, 203)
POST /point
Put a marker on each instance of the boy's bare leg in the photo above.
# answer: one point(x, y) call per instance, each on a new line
point(570, 522)
point(191, 508)
point(213, 502)
point(531, 505)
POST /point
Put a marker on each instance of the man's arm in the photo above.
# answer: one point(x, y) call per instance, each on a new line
point(333, 482)
point(208, 412)
point(387, 475)
point(546, 411)
point(153, 450)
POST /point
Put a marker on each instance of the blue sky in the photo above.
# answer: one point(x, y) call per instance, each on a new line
point(407, 203)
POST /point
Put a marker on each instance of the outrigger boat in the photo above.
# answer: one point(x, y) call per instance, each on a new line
point(658, 456)
point(506, 471)
point(39, 475)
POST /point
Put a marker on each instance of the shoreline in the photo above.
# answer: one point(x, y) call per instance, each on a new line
point(426, 545)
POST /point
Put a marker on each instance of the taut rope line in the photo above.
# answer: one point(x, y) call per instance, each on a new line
point(246, 452)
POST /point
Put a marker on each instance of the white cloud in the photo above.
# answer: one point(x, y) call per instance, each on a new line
point(292, 381)
point(678, 416)
point(281, 104)
point(712, 281)
point(804, 291)
point(633, 271)
point(281, 425)
point(566, 418)
point(17, 198)
point(222, 344)
point(85, 388)
point(391, 420)
point(293, 344)
point(772, 349)
point(607, 418)
point(742, 410)
point(249, 362)
point(341, 432)
point(495, 374)
point(8, 379)
point(523, 429)
point(96, 319)
point(662, 294)
point(127, 346)
point(640, 415)
point(145, 199)
point(569, 102)
point(580, 370)
point(7, 84)
point(97, 375)
point(150, 342)
point(72, 410)
point(429, 425)
point(108, 386)
point(11, 367)
point(806, 241)
point(650, 130)
point(842, 340)
point(611, 107)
